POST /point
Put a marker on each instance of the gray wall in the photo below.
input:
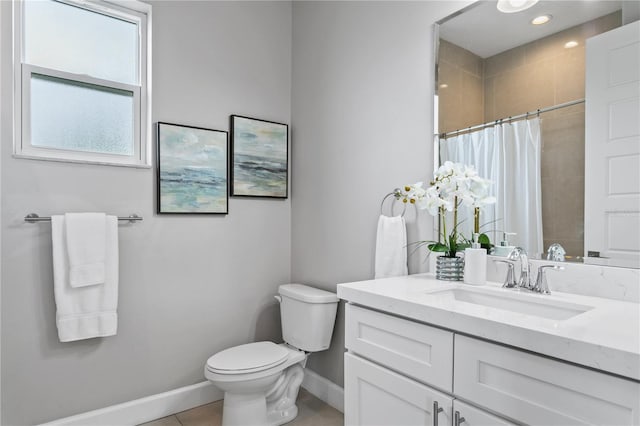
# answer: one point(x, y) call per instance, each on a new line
point(361, 125)
point(362, 111)
point(189, 286)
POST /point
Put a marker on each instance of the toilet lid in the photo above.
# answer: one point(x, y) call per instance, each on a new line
point(247, 358)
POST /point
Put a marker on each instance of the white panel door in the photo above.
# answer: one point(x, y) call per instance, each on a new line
point(612, 145)
point(375, 396)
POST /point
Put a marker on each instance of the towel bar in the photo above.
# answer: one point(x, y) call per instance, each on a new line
point(33, 218)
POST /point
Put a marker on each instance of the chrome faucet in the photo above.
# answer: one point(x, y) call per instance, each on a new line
point(519, 253)
point(510, 279)
point(556, 253)
point(541, 285)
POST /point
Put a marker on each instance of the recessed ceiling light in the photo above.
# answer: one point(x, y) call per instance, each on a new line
point(444, 85)
point(570, 44)
point(542, 19)
point(512, 6)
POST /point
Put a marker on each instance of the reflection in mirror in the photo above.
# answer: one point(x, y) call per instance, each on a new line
point(511, 102)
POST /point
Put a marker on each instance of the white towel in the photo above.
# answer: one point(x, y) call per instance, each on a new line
point(391, 247)
point(90, 311)
point(86, 239)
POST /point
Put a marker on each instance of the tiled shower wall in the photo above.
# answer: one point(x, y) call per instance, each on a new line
point(461, 102)
point(535, 75)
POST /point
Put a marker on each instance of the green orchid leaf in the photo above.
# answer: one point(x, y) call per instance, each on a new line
point(484, 239)
point(462, 246)
point(438, 247)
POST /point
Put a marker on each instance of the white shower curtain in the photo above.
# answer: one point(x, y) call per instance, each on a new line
point(509, 156)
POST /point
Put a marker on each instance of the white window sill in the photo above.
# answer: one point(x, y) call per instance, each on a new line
point(66, 160)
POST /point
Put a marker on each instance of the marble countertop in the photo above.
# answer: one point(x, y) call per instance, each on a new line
point(605, 337)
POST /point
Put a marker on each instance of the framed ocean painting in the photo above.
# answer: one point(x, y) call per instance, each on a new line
point(259, 158)
point(192, 170)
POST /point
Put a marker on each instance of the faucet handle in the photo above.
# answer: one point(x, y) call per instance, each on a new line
point(556, 253)
point(541, 285)
point(510, 279)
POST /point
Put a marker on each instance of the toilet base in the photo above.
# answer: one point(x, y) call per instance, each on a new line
point(275, 405)
point(244, 409)
point(281, 398)
point(277, 418)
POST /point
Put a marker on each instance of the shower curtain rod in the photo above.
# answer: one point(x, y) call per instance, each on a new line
point(510, 119)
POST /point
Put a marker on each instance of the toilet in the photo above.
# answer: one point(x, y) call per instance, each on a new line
point(261, 380)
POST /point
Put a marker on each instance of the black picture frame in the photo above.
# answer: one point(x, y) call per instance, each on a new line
point(259, 158)
point(192, 169)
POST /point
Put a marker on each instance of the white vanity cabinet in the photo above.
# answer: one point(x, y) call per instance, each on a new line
point(403, 372)
point(375, 395)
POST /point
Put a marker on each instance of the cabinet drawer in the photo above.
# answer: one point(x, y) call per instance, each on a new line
point(374, 395)
point(540, 391)
point(419, 351)
point(472, 416)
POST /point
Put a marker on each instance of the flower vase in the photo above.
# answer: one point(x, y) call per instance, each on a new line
point(449, 268)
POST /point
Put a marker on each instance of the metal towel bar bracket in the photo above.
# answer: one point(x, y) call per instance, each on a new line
point(33, 218)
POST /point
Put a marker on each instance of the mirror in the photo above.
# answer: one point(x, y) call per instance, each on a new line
point(510, 100)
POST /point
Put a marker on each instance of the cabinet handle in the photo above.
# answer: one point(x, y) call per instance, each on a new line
point(457, 420)
point(436, 411)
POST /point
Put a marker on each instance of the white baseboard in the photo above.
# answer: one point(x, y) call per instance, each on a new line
point(324, 389)
point(146, 409)
point(164, 404)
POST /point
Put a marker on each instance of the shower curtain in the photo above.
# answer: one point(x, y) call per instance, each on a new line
point(509, 156)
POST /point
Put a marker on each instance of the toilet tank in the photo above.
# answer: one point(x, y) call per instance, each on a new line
point(308, 315)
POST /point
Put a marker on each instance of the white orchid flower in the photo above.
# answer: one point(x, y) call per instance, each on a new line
point(454, 184)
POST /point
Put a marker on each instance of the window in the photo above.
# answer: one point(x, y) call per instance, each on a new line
point(81, 81)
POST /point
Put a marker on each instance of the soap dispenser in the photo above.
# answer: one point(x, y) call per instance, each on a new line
point(475, 263)
point(505, 247)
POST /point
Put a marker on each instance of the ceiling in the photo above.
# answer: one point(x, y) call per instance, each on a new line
point(485, 31)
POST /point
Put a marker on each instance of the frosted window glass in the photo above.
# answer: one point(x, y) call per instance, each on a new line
point(80, 117)
point(71, 39)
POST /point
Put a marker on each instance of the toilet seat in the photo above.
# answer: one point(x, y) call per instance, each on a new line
point(248, 358)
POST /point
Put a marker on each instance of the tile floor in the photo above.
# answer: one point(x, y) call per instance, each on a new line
point(311, 412)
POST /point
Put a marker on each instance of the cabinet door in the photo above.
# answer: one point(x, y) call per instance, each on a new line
point(375, 396)
point(540, 391)
point(416, 350)
point(468, 415)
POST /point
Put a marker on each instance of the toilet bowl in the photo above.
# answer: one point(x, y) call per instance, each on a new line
point(261, 380)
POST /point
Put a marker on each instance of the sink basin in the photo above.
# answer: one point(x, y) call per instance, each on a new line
point(513, 301)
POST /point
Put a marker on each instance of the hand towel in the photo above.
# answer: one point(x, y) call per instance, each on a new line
point(391, 247)
point(85, 234)
point(91, 311)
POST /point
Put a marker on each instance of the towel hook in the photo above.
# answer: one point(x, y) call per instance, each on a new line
point(395, 191)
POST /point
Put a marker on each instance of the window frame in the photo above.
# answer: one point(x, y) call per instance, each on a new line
point(129, 10)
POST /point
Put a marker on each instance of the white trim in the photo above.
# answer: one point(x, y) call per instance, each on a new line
point(324, 389)
point(67, 160)
point(174, 401)
point(17, 42)
point(146, 409)
point(2, 142)
point(132, 11)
